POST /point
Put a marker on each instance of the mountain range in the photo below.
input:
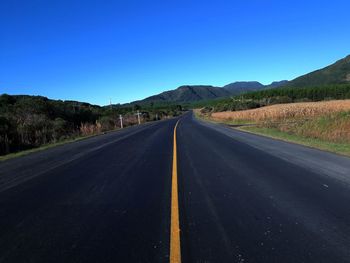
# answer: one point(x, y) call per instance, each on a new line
point(191, 93)
point(337, 73)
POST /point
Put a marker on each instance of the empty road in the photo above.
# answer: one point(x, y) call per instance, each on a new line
point(121, 197)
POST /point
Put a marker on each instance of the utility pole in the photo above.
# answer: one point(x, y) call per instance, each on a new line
point(110, 103)
point(138, 117)
point(156, 116)
point(121, 121)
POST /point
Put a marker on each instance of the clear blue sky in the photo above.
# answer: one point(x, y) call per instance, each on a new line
point(126, 50)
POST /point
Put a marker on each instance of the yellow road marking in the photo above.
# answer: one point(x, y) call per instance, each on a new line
point(175, 249)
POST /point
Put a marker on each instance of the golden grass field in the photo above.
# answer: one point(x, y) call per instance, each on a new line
point(279, 112)
point(328, 121)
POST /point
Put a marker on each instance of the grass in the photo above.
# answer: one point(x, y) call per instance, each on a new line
point(280, 112)
point(208, 118)
point(340, 148)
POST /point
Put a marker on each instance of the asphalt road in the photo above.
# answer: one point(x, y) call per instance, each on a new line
point(242, 198)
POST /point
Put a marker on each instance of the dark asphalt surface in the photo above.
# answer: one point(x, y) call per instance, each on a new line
point(107, 205)
point(242, 198)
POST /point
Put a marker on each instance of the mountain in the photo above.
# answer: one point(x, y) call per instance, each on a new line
point(337, 73)
point(238, 87)
point(187, 94)
point(193, 93)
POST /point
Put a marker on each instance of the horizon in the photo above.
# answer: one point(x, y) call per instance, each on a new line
point(94, 51)
point(108, 104)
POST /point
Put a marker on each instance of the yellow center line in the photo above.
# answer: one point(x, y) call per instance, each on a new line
point(175, 249)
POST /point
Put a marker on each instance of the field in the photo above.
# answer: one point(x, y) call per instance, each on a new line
point(288, 111)
point(323, 124)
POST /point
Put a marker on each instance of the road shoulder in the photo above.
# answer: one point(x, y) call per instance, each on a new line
point(325, 163)
point(338, 148)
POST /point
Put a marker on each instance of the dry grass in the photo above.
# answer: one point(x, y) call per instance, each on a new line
point(280, 112)
point(87, 129)
point(328, 121)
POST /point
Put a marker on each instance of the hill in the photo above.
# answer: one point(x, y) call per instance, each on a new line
point(337, 73)
point(185, 94)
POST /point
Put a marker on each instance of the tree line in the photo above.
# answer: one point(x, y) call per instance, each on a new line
point(267, 97)
point(31, 121)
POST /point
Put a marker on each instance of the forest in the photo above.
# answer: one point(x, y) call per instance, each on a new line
point(31, 121)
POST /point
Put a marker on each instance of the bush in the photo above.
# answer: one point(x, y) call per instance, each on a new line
point(107, 123)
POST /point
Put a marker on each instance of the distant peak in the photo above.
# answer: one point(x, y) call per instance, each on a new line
point(194, 86)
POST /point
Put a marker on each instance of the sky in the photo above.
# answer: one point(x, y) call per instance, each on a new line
point(97, 50)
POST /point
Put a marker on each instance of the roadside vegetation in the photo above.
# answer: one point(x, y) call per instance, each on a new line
point(28, 122)
point(288, 111)
point(336, 147)
point(324, 124)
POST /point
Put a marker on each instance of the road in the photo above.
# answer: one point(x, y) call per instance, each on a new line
point(241, 198)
